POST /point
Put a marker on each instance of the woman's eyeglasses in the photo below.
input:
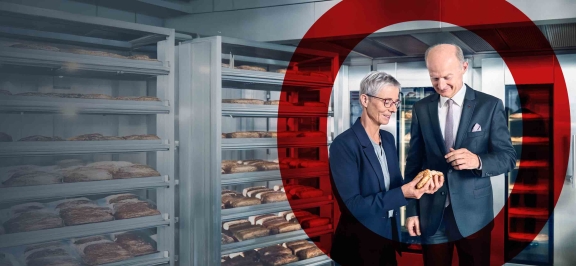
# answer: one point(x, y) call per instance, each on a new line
point(387, 102)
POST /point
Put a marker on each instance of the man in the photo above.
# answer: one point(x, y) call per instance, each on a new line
point(464, 134)
point(369, 187)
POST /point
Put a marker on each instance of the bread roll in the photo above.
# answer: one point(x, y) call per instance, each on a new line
point(426, 175)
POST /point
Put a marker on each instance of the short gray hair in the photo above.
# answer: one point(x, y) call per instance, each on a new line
point(376, 80)
point(459, 52)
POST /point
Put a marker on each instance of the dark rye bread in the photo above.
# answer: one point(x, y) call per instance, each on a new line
point(86, 214)
point(136, 244)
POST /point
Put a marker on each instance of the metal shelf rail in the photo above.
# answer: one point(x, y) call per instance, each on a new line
point(21, 23)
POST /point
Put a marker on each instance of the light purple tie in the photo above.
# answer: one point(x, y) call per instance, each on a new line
point(449, 137)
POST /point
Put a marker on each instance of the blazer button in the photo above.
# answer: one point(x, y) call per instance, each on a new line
point(450, 171)
point(443, 193)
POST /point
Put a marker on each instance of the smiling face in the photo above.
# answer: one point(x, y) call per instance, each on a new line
point(375, 108)
point(446, 71)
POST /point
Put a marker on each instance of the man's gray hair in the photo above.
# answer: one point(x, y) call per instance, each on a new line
point(459, 52)
point(375, 81)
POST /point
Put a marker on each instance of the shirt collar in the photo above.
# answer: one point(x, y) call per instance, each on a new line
point(458, 98)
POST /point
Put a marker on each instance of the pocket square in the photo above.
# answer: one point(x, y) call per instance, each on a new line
point(476, 128)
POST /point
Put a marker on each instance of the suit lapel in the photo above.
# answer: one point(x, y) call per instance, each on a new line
point(369, 151)
point(433, 112)
point(467, 112)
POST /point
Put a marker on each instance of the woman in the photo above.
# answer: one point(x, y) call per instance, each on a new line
point(369, 187)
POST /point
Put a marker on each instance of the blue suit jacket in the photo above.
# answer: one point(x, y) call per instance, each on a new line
point(470, 190)
point(364, 202)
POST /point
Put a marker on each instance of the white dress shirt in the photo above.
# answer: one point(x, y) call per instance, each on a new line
point(456, 110)
point(456, 113)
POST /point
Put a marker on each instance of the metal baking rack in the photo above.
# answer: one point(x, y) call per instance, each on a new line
point(56, 28)
point(202, 79)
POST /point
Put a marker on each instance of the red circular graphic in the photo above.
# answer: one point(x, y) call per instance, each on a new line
point(346, 24)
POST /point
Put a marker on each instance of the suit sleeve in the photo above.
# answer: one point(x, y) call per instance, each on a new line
point(414, 160)
point(501, 156)
point(344, 168)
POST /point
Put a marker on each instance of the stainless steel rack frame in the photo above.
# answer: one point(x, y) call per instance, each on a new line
point(62, 28)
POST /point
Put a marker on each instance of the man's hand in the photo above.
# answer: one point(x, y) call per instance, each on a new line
point(462, 159)
point(413, 225)
point(410, 191)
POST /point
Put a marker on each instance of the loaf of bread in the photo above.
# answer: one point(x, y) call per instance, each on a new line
point(97, 96)
point(141, 137)
point(32, 221)
point(309, 253)
point(256, 218)
point(284, 228)
point(292, 244)
point(296, 248)
point(253, 68)
point(244, 101)
point(274, 222)
point(41, 138)
point(33, 178)
point(243, 202)
point(274, 250)
point(243, 169)
point(111, 166)
point(129, 210)
point(244, 134)
point(262, 219)
point(252, 232)
point(102, 252)
point(119, 198)
point(35, 46)
point(138, 98)
point(73, 203)
point(86, 174)
point(225, 192)
point(268, 166)
point(87, 137)
point(136, 244)
point(254, 193)
point(86, 214)
point(246, 190)
point(135, 171)
point(5, 137)
point(273, 197)
point(280, 259)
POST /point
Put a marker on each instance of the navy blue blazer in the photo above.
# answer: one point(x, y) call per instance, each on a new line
point(359, 187)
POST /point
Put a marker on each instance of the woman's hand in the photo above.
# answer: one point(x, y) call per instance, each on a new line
point(410, 191)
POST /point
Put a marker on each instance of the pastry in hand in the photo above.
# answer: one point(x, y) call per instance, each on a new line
point(426, 175)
